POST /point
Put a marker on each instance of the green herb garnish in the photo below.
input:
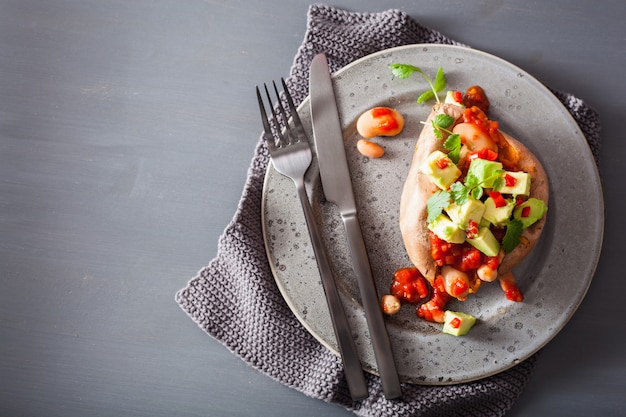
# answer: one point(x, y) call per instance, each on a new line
point(460, 192)
point(441, 123)
point(436, 204)
point(512, 236)
point(405, 70)
point(453, 144)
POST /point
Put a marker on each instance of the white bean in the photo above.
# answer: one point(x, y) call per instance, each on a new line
point(485, 273)
point(455, 282)
point(370, 149)
point(474, 138)
point(380, 121)
point(391, 304)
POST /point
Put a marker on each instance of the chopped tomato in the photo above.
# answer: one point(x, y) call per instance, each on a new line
point(433, 309)
point(409, 285)
point(510, 288)
point(458, 97)
point(385, 118)
point(472, 258)
point(493, 262)
point(439, 249)
point(514, 294)
point(455, 323)
point(526, 211)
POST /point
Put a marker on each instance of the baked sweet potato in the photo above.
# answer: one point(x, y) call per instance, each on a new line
point(418, 188)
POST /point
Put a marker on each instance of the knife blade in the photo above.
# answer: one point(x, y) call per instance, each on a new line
point(337, 186)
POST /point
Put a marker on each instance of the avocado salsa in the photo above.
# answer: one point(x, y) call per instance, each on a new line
point(481, 209)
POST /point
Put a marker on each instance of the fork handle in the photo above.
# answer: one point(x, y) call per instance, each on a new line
point(347, 349)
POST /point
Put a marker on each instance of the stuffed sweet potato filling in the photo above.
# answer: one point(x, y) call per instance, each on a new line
point(473, 204)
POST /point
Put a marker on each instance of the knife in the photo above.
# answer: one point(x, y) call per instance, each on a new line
point(337, 186)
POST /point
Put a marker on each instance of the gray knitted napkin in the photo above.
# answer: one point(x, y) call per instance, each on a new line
point(235, 299)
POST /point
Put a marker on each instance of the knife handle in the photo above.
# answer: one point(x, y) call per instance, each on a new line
point(352, 364)
point(373, 310)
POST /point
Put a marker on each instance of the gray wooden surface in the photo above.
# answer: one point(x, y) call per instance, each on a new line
point(126, 130)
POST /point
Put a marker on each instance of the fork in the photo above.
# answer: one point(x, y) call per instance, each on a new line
point(291, 156)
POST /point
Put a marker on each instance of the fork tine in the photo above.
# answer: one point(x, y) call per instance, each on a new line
point(294, 113)
point(288, 132)
point(282, 140)
point(267, 130)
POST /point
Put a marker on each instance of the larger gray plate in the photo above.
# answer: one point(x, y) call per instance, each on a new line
point(553, 279)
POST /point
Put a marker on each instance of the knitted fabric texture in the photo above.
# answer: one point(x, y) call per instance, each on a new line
point(235, 299)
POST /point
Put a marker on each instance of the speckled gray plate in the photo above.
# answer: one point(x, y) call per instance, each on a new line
point(554, 278)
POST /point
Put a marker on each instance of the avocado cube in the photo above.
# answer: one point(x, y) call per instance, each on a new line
point(484, 171)
point(521, 186)
point(450, 98)
point(530, 211)
point(498, 216)
point(457, 323)
point(485, 242)
point(440, 169)
point(462, 215)
point(484, 222)
point(446, 229)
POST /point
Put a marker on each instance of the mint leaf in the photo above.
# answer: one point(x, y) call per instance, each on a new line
point(512, 236)
point(436, 204)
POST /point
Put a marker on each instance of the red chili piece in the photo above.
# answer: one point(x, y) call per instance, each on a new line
point(442, 163)
point(497, 199)
point(510, 180)
point(487, 154)
point(455, 323)
point(472, 229)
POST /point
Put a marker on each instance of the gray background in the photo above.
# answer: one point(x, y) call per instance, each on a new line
point(126, 131)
